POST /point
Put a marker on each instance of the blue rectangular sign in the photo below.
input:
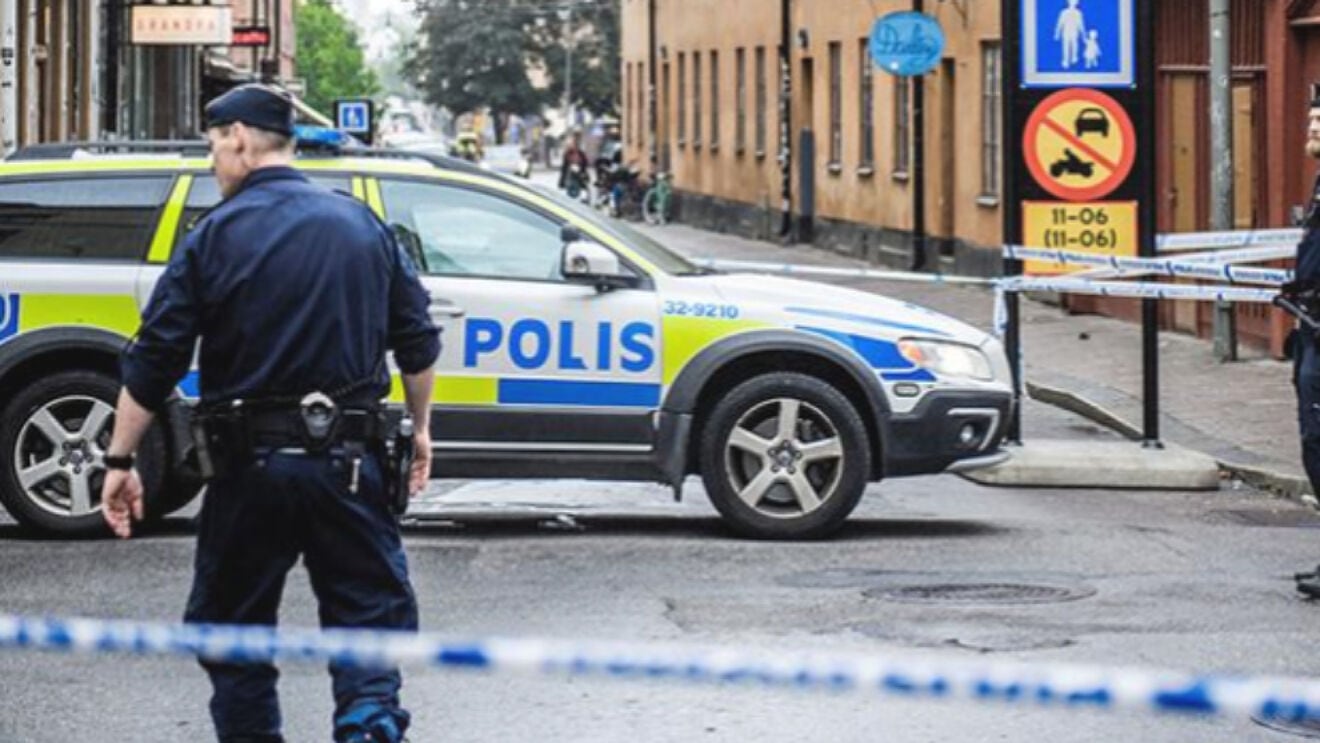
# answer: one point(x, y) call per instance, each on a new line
point(353, 117)
point(1078, 43)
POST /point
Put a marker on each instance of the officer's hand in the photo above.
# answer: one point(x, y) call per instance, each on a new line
point(121, 501)
point(421, 466)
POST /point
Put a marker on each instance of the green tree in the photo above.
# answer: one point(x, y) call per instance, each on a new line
point(329, 56)
point(476, 53)
point(594, 38)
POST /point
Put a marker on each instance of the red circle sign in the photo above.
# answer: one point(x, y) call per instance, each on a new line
point(1079, 144)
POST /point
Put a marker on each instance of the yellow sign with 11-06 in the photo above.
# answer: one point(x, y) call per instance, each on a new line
point(1101, 227)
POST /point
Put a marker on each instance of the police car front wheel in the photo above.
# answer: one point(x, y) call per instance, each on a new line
point(785, 456)
point(53, 434)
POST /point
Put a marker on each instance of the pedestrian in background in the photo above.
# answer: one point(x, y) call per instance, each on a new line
point(296, 293)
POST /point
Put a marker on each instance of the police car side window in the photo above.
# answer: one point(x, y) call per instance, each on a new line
point(205, 193)
point(87, 218)
point(465, 232)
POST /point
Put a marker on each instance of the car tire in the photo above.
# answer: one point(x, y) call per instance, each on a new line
point(56, 490)
point(785, 456)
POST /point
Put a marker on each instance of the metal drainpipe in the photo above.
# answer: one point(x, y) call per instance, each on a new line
point(785, 116)
point(653, 120)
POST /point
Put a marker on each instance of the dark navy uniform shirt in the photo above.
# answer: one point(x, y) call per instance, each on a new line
point(292, 289)
point(1308, 250)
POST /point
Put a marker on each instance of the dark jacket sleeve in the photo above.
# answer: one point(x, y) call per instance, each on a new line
point(160, 354)
point(413, 337)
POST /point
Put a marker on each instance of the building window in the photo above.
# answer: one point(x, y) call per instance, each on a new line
point(714, 101)
point(867, 102)
point(836, 104)
point(991, 136)
point(696, 99)
point(627, 102)
point(761, 101)
point(740, 126)
point(902, 127)
point(682, 100)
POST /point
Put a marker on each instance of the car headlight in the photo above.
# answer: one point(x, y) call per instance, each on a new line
point(951, 359)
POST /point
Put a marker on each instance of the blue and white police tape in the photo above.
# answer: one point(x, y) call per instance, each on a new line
point(798, 269)
point(899, 674)
point(1239, 255)
point(1124, 265)
point(1177, 241)
point(1141, 290)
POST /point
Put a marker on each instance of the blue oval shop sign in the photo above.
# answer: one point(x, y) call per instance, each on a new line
point(907, 43)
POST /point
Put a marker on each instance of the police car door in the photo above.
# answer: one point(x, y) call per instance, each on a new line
point(537, 375)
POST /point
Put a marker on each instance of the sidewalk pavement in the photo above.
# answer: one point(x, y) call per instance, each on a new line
point(1242, 414)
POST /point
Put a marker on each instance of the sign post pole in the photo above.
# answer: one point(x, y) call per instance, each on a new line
point(1079, 84)
point(1150, 318)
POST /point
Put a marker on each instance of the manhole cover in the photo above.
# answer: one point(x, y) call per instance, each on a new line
point(1303, 729)
point(980, 593)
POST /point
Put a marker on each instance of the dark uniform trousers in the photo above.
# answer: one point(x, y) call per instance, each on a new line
point(255, 523)
point(1306, 378)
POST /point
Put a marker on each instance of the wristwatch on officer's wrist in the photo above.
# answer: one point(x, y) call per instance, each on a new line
point(113, 462)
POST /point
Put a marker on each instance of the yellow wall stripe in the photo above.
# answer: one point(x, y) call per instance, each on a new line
point(163, 242)
point(117, 312)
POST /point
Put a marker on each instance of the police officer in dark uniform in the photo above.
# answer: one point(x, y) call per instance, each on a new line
point(296, 293)
point(1304, 292)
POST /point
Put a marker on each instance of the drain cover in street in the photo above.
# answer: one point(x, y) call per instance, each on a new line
point(981, 593)
point(1304, 729)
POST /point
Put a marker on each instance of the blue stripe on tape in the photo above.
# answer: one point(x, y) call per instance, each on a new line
point(868, 319)
point(880, 354)
point(597, 394)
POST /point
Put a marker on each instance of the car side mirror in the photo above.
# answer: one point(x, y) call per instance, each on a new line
point(569, 234)
point(587, 262)
point(411, 244)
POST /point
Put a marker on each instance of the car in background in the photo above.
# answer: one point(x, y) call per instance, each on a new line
point(508, 159)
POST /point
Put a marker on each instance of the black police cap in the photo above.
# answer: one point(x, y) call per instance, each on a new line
point(253, 104)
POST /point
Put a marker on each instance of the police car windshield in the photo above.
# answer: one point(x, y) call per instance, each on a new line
point(662, 257)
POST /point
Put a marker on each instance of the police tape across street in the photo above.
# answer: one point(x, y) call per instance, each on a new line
point(896, 675)
point(1213, 265)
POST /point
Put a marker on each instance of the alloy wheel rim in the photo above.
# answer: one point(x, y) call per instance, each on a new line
point(59, 455)
point(784, 458)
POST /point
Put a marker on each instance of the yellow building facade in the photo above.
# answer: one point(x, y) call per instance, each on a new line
point(713, 74)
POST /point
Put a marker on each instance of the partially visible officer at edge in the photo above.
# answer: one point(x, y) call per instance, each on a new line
point(293, 290)
point(1305, 344)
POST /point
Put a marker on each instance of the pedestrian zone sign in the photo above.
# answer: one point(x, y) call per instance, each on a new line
point(1079, 145)
point(353, 117)
point(1085, 43)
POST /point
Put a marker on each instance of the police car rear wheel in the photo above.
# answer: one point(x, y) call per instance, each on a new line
point(53, 435)
point(785, 456)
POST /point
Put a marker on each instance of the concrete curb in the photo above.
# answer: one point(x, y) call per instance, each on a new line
point(1280, 483)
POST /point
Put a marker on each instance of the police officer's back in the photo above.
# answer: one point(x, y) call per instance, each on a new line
point(295, 293)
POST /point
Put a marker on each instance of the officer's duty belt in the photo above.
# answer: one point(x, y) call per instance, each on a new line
point(278, 429)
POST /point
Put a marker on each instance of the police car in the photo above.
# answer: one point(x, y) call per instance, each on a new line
point(573, 346)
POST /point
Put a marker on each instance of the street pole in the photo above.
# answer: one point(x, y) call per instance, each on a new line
point(8, 76)
point(568, 66)
point(919, 162)
point(1221, 164)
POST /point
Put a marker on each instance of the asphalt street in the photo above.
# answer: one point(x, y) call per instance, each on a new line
point(1191, 581)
